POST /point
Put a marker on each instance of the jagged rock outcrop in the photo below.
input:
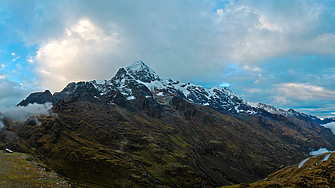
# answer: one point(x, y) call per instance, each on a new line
point(39, 98)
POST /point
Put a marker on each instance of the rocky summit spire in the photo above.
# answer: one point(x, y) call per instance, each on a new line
point(140, 71)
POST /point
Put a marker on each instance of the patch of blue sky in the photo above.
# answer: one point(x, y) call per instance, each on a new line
point(204, 83)
point(222, 4)
point(297, 66)
point(14, 64)
point(231, 68)
point(208, 84)
point(316, 110)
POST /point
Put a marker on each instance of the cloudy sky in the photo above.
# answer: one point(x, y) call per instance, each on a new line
point(278, 52)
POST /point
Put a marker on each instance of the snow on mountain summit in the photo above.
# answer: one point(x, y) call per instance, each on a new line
point(140, 71)
point(139, 77)
point(218, 98)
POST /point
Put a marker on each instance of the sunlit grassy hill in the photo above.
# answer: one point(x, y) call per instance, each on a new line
point(317, 171)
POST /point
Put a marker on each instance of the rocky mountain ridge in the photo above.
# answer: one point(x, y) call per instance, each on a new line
point(39, 98)
point(294, 113)
point(162, 89)
point(139, 74)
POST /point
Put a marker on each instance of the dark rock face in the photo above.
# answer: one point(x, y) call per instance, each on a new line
point(39, 98)
point(65, 92)
point(46, 96)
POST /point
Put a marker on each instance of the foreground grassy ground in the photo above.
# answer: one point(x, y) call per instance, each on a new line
point(19, 170)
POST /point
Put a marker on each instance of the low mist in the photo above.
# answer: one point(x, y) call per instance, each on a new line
point(331, 126)
point(1, 125)
point(320, 151)
point(22, 113)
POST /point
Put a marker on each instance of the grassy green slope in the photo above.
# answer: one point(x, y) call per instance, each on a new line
point(315, 172)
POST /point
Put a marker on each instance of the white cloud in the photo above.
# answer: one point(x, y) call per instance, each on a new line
point(181, 39)
point(81, 53)
point(224, 84)
point(16, 58)
point(266, 24)
point(30, 59)
point(252, 32)
point(331, 126)
point(179, 32)
point(1, 124)
point(321, 44)
point(12, 92)
point(320, 151)
point(24, 112)
point(13, 54)
point(303, 92)
point(254, 90)
point(247, 35)
point(185, 40)
point(282, 100)
point(219, 12)
point(252, 69)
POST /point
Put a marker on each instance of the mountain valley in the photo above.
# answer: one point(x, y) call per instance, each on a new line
point(141, 130)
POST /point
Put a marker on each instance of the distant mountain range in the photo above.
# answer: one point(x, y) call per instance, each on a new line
point(140, 129)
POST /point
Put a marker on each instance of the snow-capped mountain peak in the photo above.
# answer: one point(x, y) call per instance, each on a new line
point(291, 112)
point(218, 98)
point(139, 75)
point(140, 71)
point(271, 109)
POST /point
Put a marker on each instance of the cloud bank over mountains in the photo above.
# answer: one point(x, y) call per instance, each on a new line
point(277, 52)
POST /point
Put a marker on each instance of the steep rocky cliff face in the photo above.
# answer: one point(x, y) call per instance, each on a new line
point(138, 129)
point(39, 98)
